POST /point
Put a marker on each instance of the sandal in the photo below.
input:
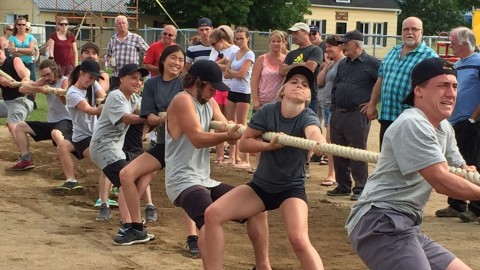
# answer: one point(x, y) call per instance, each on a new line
point(328, 183)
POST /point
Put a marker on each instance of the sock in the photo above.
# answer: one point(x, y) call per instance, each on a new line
point(137, 226)
point(26, 157)
point(71, 180)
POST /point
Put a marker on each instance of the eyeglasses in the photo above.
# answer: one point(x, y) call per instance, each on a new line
point(313, 33)
point(45, 75)
point(21, 24)
point(168, 34)
point(413, 29)
point(63, 24)
point(214, 43)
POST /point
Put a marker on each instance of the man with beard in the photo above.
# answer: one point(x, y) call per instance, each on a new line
point(393, 83)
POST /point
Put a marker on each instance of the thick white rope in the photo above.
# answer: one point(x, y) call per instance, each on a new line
point(15, 84)
point(334, 149)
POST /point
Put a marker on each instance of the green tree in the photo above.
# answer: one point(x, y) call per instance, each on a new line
point(437, 15)
point(256, 14)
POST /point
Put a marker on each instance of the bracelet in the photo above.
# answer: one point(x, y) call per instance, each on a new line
point(51, 58)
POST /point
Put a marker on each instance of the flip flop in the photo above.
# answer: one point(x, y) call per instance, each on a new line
point(328, 183)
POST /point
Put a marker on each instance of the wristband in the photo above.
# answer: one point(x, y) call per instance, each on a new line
point(471, 120)
point(51, 58)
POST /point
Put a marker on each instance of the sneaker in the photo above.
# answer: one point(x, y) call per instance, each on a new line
point(447, 212)
point(307, 170)
point(124, 227)
point(130, 237)
point(315, 158)
point(22, 165)
point(69, 188)
point(192, 245)
point(337, 192)
point(324, 160)
point(151, 213)
point(114, 192)
point(105, 213)
point(355, 196)
point(109, 202)
point(468, 216)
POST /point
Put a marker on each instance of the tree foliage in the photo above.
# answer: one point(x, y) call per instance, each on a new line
point(256, 14)
point(437, 15)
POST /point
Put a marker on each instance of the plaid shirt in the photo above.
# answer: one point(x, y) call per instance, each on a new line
point(126, 51)
point(396, 81)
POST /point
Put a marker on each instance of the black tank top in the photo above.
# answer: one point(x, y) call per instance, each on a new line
point(7, 92)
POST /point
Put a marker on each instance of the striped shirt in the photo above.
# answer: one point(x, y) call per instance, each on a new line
point(354, 82)
point(396, 82)
point(197, 51)
point(126, 51)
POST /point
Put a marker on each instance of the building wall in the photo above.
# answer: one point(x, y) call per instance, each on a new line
point(328, 16)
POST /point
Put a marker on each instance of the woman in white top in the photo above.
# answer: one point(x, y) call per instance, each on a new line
point(239, 70)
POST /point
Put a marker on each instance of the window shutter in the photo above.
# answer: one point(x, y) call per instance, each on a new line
point(385, 32)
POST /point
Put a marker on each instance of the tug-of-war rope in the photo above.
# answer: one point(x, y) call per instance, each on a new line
point(48, 89)
point(329, 148)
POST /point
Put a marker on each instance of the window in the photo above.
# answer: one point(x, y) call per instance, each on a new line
point(380, 29)
point(364, 27)
point(321, 24)
point(10, 18)
point(341, 28)
point(343, 1)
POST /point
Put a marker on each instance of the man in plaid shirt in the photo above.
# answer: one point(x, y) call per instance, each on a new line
point(393, 82)
point(124, 48)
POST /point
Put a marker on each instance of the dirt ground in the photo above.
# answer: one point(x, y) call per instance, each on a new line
point(42, 231)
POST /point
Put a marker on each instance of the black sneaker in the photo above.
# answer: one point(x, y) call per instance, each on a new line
point(124, 227)
point(69, 188)
point(131, 237)
point(192, 245)
point(337, 192)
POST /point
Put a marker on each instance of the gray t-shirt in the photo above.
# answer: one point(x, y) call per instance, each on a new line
point(187, 165)
point(284, 168)
point(109, 133)
point(410, 144)
point(56, 111)
point(325, 92)
point(157, 95)
point(82, 123)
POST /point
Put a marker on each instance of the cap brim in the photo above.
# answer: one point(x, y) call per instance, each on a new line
point(95, 74)
point(220, 86)
point(142, 71)
point(408, 100)
point(343, 40)
point(305, 71)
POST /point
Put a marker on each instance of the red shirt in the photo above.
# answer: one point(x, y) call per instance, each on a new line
point(152, 56)
point(63, 49)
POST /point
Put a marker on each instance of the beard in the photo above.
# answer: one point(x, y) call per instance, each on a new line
point(199, 97)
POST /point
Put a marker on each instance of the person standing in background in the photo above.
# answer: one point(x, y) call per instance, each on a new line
point(152, 56)
point(201, 49)
point(62, 47)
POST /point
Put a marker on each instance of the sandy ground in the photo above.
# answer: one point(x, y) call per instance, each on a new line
point(42, 231)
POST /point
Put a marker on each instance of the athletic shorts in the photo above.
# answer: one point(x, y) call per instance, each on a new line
point(238, 97)
point(158, 152)
point(43, 130)
point(385, 239)
point(18, 109)
point(112, 171)
point(80, 147)
point(221, 97)
point(196, 199)
point(273, 201)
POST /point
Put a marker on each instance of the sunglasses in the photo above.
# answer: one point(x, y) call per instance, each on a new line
point(167, 34)
point(63, 24)
point(313, 33)
point(21, 24)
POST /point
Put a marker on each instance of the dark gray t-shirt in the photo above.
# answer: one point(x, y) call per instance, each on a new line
point(157, 95)
point(309, 53)
point(282, 169)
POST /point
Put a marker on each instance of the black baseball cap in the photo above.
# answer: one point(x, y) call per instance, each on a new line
point(313, 28)
point(131, 68)
point(425, 70)
point(209, 71)
point(352, 35)
point(305, 71)
point(204, 22)
point(90, 45)
point(91, 67)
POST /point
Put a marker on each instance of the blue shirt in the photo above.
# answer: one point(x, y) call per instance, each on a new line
point(468, 93)
point(395, 72)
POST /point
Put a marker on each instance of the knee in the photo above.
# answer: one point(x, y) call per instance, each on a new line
point(212, 215)
point(126, 176)
point(299, 242)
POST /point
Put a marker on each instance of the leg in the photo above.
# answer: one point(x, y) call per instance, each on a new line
point(64, 149)
point(231, 115)
point(295, 215)
point(241, 202)
point(341, 165)
point(241, 116)
point(357, 138)
point(331, 170)
point(220, 148)
point(257, 229)
point(21, 134)
point(11, 127)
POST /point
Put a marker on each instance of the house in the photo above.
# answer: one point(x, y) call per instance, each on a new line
point(375, 19)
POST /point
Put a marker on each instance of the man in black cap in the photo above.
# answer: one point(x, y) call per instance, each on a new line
point(349, 125)
point(201, 49)
point(187, 155)
point(384, 225)
point(316, 38)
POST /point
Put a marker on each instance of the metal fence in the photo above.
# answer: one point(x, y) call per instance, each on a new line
point(376, 45)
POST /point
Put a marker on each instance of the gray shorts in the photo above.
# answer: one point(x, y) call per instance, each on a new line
point(387, 239)
point(18, 109)
point(3, 109)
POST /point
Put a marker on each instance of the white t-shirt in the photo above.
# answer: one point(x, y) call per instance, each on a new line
point(242, 85)
point(227, 54)
point(56, 111)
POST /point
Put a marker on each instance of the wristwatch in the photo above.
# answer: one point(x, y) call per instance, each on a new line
point(471, 120)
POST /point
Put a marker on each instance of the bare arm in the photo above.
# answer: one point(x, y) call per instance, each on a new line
point(86, 108)
point(255, 81)
point(240, 74)
point(249, 142)
point(51, 45)
point(75, 53)
point(22, 71)
point(132, 119)
point(372, 112)
point(449, 184)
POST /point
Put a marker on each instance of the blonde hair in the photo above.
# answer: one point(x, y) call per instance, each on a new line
point(281, 91)
point(223, 32)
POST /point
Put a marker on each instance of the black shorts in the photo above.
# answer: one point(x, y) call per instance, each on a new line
point(112, 171)
point(238, 97)
point(195, 200)
point(43, 130)
point(273, 200)
point(80, 147)
point(132, 155)
point(158, 152)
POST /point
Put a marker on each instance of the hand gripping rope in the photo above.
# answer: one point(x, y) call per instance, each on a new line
point(57, 91)
point(336, 150)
